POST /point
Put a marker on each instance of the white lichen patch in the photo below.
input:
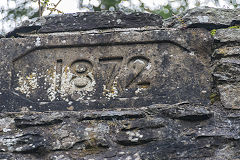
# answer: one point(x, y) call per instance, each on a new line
point(129, 158)
point(119, 21)
point(26, 84)
point(9, 142)
point(64, 41)
point(38, 42)
point(203, 19)
point(5, 124)
point(99, 131)
point(139, 61)
point(149, 66)
point(134, 136)
point(112, 92)
point(137, 156)
point(78, 87)
point(52, 81)
point(69, 85)
point(139, 90)
point(191, 53)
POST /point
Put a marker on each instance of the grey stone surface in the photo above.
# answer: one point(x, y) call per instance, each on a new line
point(180, 131)
point(229, 94)
point(226, 52)
point(227, 70)
point(124, 68)
point(157, 131)
point(189, 127)
point(226, 76)
point(227, 35)
point(87, 21)
point(226, 65)
point(204, 17)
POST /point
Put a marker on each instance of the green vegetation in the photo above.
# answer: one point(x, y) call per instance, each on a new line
point(236, 27)
point(213, 32)
point(214, 97)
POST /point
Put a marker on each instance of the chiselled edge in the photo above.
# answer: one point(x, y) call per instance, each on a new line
point(87, 21)
point(185, 39)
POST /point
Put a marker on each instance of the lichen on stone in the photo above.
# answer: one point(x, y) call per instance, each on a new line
point(235, 27)
point(213, 32)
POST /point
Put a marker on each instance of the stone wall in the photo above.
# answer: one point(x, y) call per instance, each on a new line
point(108, 85)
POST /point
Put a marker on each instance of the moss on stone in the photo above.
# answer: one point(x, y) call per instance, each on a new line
point(213, 32)
point(236, 27)
point(214, 97)
point(222, 51)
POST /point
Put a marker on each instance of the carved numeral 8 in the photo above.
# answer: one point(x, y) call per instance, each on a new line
point(81, 70)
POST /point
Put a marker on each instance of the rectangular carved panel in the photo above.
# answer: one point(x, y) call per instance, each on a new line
point(134, 74)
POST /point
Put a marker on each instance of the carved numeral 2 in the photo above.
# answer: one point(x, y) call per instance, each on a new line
point(136, 66)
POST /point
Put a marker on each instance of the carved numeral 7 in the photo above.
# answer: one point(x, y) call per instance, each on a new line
point(110, 67)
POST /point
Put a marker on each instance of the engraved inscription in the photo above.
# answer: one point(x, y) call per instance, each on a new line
point(59, 73)
point(99, 74)
point(110, 68)
point(81, 78)
point(137, 66)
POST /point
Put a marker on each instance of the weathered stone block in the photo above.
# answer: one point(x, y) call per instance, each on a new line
point(160, 131)
point(226, 52)
point(101, 70)
point(229, 94)
point(227, 70)
point(227, 35)
point(104, 69)
point(87, 21)
point(204, 17)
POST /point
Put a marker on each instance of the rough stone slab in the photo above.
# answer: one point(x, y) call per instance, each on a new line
point(187, 112)
point(229, 94)
point(227, 35)
point(227, 70)
point(87, 21)
point(182, 131)
point(226, 51)
point(76, 71)
point(161, 133)
point(204, 17)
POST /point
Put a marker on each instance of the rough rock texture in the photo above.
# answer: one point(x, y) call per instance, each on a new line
point(180, 131)
point(193, 124)
point(87, 21)
point(105, 69)
point(226, 71)
point(204, 17)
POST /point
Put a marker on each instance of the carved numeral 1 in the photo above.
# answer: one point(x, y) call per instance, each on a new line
point(59, 67)
point(58, 74)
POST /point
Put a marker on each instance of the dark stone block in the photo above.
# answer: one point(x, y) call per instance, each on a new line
point(88, 21)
